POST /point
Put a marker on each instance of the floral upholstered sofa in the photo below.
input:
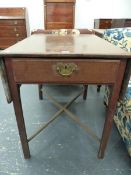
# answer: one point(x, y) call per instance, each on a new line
point(121, 37)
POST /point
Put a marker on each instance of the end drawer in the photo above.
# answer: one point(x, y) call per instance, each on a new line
point(65, 71)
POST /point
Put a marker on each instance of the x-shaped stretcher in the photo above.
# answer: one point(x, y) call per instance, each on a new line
point(69, 114)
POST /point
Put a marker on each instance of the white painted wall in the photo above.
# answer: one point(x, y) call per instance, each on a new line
point(86, 11)
point(34, 8)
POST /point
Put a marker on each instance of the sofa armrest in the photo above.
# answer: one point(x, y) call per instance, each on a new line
point(121, 37)
point(126, 80)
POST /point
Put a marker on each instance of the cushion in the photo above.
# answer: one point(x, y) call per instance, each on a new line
point(122, 116)
point(120, 37)
point(128, 97)
point(122, 119)
point(126, 101)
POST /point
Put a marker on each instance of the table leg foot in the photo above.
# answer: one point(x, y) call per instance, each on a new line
point(40, 91)
point(85, 92)
point(27, 155)
point(100, 155)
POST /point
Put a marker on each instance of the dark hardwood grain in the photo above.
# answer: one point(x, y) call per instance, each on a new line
point(59, 14)
point(95, 71)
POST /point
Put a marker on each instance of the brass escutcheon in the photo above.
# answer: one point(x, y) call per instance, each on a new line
point(66, 69)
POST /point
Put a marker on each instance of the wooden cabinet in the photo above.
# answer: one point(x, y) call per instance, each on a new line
point(111, 23)
point(59, 14)
point(127, 23)
point(13, 26)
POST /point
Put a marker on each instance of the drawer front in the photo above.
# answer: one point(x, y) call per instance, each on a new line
point(57, 25)
point(12, 28)
point(64, 71)
point(127, 23)
point(59, 12)
point(12, 22)
point(12, 32)
point(105, 24)
point(9, 41)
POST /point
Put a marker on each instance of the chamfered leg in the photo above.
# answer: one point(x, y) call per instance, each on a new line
point(114, 95)
point(15, 92)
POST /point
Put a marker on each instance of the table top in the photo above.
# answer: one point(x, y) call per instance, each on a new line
point(82, 46)
point(101, 31)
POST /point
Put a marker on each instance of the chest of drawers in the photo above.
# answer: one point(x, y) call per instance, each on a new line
point(59, 14)
point(13, 26)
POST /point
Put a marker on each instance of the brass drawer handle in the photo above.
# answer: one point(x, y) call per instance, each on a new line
point(66, 69)
point(17, 35)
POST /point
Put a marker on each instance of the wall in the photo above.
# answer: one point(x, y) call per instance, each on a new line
point(86, 11)
point(34, 8)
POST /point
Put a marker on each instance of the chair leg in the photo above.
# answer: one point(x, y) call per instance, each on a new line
point(40, 91)
point(98, 88)
point(85, 92)
point(41, 94)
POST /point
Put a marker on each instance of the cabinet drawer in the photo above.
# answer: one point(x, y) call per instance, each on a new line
point(127, 23)
point(105, 24)
point(12, 33)
point(12, 22)
point(8, 41)
point(64, 71)
point(12, 28)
